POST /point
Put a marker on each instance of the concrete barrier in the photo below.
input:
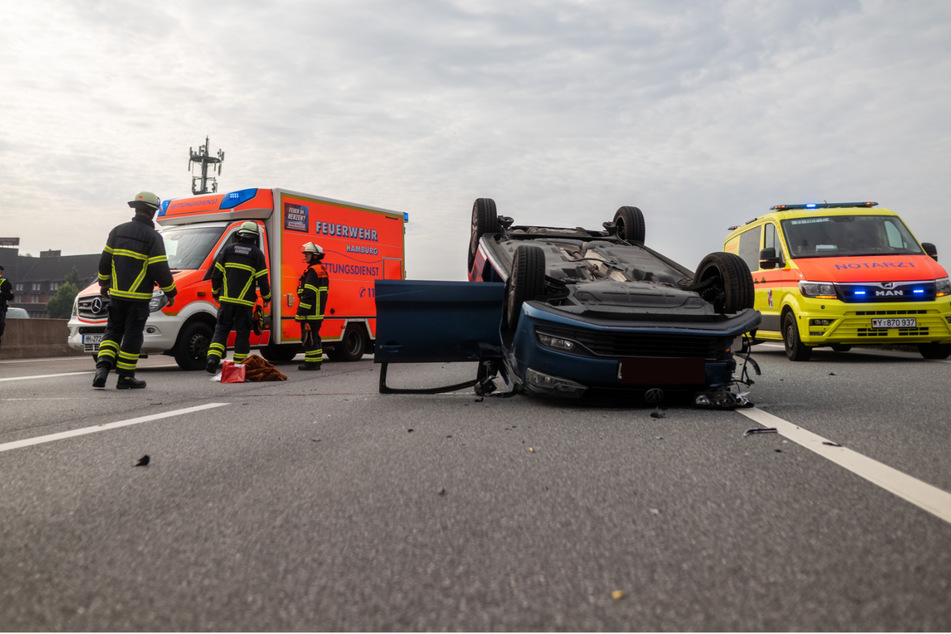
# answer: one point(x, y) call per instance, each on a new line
point(36, 338)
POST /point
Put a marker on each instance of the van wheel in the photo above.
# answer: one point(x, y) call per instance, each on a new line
point(352, 344)
point(191, 349)
point(630, 224)
point(796, 350)
point(527, 281)
point(283, 353)
point(485, 220)
point(841, 347)
point(935, 350)
point(724, 280)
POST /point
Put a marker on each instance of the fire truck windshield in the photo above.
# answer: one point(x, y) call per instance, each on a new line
point(187, 246)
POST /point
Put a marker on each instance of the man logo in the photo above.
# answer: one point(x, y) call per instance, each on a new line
point(888, 284)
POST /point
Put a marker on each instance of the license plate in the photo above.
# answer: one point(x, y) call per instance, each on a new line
point(895, 322)
point(90, 339)
point(653, 371)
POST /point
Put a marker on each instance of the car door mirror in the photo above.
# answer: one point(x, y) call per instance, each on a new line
point(930, 250)
point(768, 258)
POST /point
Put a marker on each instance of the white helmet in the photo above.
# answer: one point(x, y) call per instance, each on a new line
point(148, 200)
point(310, 247)
point(249, 229)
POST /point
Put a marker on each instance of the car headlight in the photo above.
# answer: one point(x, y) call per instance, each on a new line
point(819, 290)
point(942, 287)
point(157, 302)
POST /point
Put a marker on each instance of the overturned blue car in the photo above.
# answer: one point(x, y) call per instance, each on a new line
point(575, 312)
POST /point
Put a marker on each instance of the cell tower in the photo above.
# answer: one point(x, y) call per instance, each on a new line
point(202, 158)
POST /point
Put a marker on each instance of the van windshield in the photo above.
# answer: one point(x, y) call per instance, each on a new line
point(188, 246)
point(838, 236)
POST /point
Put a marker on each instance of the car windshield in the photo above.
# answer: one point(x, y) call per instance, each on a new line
point(188, 246)
point(838, 236)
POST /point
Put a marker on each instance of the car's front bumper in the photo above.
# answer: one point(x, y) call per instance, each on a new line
point(622, 355)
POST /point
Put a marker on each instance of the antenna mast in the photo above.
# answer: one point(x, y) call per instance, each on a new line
point(201, 157)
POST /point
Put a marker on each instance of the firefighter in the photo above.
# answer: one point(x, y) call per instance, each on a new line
point(133, 262)
point(6, 295)
point(312, 295)
point(239, 268)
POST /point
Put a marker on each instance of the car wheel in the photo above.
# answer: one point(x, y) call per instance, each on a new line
point(527, 281)
point(485, 220)
point(282, 353)
point(724, 280)
point(191, 350)
point(352, 345)
point(841, 347)
point(934, 350)
point(796, 350)
point(630, 224)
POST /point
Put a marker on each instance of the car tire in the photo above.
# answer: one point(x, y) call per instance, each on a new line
point(796, 350)
point(485, 220)
point(630, 224)
point(280, 353)
point(841, 347)
point(191, 349)
point(934, 350)
point(352, 345)
point(527, 281)
point(726, 282)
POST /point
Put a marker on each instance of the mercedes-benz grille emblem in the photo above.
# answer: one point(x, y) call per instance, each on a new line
point(97, 306)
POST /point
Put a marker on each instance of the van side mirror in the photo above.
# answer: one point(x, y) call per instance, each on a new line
point(768, 258)
point(930, 250)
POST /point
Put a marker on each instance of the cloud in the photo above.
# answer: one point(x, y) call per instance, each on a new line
point(702, 114)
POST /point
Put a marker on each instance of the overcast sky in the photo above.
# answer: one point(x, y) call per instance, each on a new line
point(702, 113)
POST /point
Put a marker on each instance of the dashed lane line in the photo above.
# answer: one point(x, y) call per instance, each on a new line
point(923, 495)
point(27, 442)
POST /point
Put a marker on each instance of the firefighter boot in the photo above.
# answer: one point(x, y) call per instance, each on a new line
point(102, 371)
point(129, 382)
point(309, 366)
point(211, 366)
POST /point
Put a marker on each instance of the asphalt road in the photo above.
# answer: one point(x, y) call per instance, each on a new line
point(320, 504)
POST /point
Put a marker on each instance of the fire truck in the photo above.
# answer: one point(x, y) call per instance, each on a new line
point(362, 244)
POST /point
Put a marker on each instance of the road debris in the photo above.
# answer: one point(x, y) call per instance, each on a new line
point(760, 430)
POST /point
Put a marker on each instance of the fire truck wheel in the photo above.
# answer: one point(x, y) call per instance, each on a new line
point(352, 345)
point(527, 281)
point(192, 346)
point(485, 220)
point(280, 353)
point(630, 224)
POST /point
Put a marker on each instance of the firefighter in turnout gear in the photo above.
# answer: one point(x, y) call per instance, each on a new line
point(238, 269)
point(133, 262)
point(312, 300)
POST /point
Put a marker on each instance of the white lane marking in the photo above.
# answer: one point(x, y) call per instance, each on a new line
point(923, 495)
point(42, 376)
point(27, 442)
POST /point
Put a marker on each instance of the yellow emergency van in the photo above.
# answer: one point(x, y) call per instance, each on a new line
point(844, 274)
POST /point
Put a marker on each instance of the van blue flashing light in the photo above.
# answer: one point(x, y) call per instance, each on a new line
point(405, 216)
point(860, 293)
point(821, 206)
point(232, 200)
point(918, 291)
point(164, 207)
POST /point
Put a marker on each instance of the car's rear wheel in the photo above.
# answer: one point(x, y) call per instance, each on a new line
point(934, 350)
point(796, 350)
point(630, 224)
point(485, 220)
point(724, 280)
point(527, 281)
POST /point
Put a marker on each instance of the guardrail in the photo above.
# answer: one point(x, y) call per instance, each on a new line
point(36, 338)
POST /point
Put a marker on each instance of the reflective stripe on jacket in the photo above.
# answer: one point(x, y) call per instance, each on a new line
point(312, 289)
point(238, 267)
point(133, 262)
